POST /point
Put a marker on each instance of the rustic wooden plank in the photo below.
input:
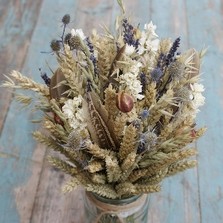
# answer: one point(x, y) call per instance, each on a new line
point(20, 166)
point(17, 21)
point(51, 205)
point(205, 26)
point(179, 199)
point(93, 14)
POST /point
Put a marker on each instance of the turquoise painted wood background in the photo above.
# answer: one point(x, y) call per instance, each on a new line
point(29, 187)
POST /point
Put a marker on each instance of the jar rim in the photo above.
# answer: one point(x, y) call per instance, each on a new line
point(121, 201)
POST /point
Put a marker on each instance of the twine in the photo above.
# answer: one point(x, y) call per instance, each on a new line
point(112, 209)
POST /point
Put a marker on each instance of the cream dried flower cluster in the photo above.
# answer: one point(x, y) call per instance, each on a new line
point(119, 108)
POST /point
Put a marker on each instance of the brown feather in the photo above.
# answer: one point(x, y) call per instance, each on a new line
point(56, 91)
point(104, 137)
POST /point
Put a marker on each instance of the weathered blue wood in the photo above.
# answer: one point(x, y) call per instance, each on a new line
point(17, 21)
point(205, 27)
point(16, 140)
point(178, 201)
point(50, 204)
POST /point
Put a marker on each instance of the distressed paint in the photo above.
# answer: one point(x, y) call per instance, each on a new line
point(178, 201)
point(16, 141)
point(205, 24)
point(25, 193)
point(17, 22)
point(51, 205)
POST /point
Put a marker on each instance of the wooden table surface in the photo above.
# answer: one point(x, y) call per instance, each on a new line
point(30, 190)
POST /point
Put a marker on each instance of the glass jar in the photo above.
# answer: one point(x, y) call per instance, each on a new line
point(103, 210)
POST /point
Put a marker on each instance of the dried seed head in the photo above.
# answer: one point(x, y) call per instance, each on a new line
point(75, 140)
point(151, 139)
point(124, 102)
point(176, 69)
point(66, 19)
point(156, 74)
point(147, 141)
point(55, 45)
point(184, 94)
point(74, 42)
point(144, 114)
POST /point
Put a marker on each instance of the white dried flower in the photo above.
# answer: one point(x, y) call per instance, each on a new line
point(152, 45)
point(197, 87)
point(135, 67)
point(130, 83)
point(150, 29)
point(149, 39)
point(78, 32)
point(74, 113)
point(78, 120)
point(198, 99)
point(129, 49)
point(71, 105)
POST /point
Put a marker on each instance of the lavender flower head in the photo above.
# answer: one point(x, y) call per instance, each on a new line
point(129, 34)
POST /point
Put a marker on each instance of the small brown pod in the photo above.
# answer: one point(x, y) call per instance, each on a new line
point(57, 119)
point(124, 102)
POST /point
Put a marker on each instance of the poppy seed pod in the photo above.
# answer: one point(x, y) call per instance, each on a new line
point(124, 102)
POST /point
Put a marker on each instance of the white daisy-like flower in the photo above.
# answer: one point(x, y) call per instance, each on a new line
point(71, 105)
point(151, 28)
point(78, 121)
point(78, 32)
point(132, 67)
point(149, 39)
point(74, 113)
point(198, 99)
point(152, 45)
point(129, 49)
point(68, 108)
point(141, 50)
point(135, 67)
point(142, 41)
point(130, 83)
point(197, 87)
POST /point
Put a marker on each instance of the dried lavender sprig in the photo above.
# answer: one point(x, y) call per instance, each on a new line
point(170, 56)
point(45, 77)
point(160, 62)
point(129, 34)
point(143, 80)
point(141, 147)
point(92, 56)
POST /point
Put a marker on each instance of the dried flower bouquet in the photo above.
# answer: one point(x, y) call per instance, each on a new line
point(120, 108)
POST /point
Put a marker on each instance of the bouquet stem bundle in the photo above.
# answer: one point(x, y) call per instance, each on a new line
point(120, 108)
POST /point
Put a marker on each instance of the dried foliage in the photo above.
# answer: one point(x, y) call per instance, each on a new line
point(120, 108)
